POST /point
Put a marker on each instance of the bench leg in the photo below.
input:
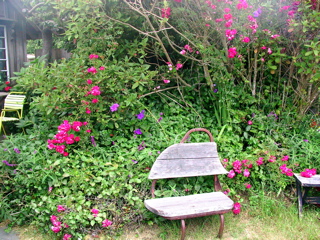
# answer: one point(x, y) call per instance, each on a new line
point(221, 226)
point(183, 229)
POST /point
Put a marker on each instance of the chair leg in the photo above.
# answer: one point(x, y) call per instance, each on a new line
point(183, 229)
point(221, 226)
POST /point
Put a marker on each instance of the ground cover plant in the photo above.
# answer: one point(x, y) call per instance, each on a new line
point(246, 71)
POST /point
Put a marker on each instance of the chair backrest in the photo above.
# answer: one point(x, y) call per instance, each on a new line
point(14, 100)
point(187, 160)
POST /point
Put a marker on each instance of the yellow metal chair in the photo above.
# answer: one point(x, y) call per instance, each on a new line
point(12, 103)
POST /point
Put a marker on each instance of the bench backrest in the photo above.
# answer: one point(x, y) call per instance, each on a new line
point(187, 160)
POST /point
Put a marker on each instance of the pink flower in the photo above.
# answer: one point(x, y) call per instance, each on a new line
point(178, 66)
point(246, 173)
point(227, 10)
point(91, 56)
point(272, 159)
point(275, 36)
point(227, 16)
point(56, 229)
point(95, 212)
point(259, 161)
point(213, 6)
point(166, 81)
point(183, 52)
point(250, 122)
point(92, 70)
point(88, 131)
point(285, 158)
point(165, 12)
point(308, 173)
point(89, 81)
point(231, 174)
point(95, 91)
point(178, 1)
point(264, 47)
point(188, 48)
point(219, 20)
point(50, 189)
point(269, 50)
point(236, 208)
point(230, 33)
point(246, 39)
point(95, 100)
point(248, 185)
point(53, 218)
point(228, 23)
point(284, 8)
point(106, 223)
point(67, 237)
point(102, 68)
point(232, 52)
point(60, 208)
point(88, 111)
point(114, 107)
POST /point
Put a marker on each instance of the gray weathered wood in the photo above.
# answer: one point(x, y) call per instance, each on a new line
point(314, 181)
point(163, 169)
point(187, 160)
point(190, 206)
point(190, 150)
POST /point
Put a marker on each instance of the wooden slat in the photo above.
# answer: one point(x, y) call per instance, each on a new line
point(190, 150)
point(190, 206)
point(175, 168)
point(314, 181)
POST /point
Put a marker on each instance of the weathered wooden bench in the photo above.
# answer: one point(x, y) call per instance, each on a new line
point(189, 160)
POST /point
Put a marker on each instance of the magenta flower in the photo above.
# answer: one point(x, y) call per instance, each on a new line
point(236, 208)
point(232, 52)
point(308, 173)
point(95, 100)
point(227, 16)
point(88, 111)
point(188, 48)
point(259, 161)
point(102, 68)
point(92, 70)
point(178, 66)
point(95, 212)
point(250, 122)
point(248, 185)
point(183, 52)
point(272, 159)
point(285, 158)
point(60, 208)
point(165, 12)
point(106, 223)
point(56, 229)
point(166, 81)
point(231, 174)
point(67, 237)
point(246, 40)
point(89, 81)
point(227, 10)
point(246, 173)
point(95, 91)
point(114, 107)
point(91, 56)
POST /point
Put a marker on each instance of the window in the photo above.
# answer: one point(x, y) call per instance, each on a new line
point(4, 64)
point(2, 9)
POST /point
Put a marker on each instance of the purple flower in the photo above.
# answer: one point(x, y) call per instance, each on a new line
point(257, 13)
point(141, 146)
point(141, 115)
point(114, 107)
point(93, 141)
point(16, 150)
point(215, 90)
point(137, 131)
point(305, 140)
point(160, 118)
point(134, 161)
point(8, 164)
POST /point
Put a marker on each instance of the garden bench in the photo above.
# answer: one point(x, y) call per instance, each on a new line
point(305, 184)
point(189, 160)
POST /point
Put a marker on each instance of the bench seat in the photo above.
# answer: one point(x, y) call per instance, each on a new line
point(198, 205)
